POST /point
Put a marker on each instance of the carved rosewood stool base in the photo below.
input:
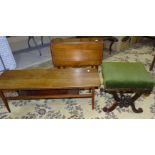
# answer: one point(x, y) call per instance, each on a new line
point(126, 82)
point(125, 100)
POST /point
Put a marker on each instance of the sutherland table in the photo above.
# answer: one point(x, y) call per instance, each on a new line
point(49, 83)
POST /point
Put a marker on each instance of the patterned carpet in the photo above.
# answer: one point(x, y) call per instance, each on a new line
point(81, 108)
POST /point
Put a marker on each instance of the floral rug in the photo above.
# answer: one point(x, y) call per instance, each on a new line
point(81, 108)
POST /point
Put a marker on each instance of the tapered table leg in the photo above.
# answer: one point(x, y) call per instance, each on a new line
point(5, 100)
point(93, 98)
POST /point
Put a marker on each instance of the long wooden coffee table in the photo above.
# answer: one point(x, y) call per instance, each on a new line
point(49, 83)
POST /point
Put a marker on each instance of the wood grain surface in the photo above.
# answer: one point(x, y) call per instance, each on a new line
point(77, 52)
point(49, 79)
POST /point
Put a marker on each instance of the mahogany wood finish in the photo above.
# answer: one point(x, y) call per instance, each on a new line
point(49, 78)
point(77, 52)
point(49, 83)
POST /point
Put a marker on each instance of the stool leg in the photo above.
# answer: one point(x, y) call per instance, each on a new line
point(5, 101)
point(105, 109)
point(124, 101)
point(117, 99)
point(132, 104)
point(139, 110)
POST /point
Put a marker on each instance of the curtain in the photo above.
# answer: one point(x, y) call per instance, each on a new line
point(7, 61)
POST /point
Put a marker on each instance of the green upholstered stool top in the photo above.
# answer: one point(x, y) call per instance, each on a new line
point(126, 75)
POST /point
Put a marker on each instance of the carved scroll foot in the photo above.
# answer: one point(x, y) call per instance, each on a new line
point(139, 110)
point(105, 109)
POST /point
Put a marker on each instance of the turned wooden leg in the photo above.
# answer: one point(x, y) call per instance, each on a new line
point(5, 100)
point(93, 98)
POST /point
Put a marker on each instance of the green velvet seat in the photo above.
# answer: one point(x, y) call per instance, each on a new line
point(126, 75)
point(126, 81)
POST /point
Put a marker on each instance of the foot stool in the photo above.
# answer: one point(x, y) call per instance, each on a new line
point(126, 81)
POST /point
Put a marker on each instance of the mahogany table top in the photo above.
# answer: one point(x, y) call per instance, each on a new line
point(49, 79)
